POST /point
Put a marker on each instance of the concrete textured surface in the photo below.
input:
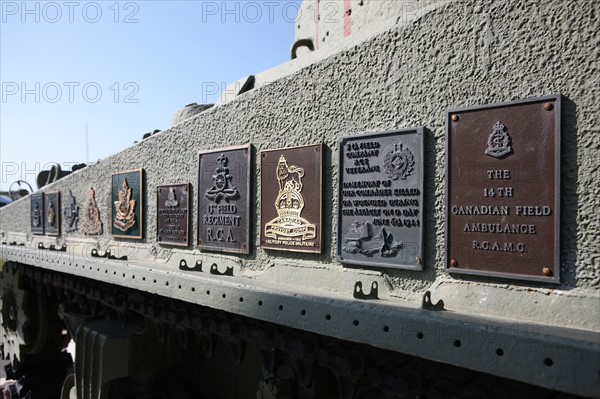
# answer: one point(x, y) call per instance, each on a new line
point(460, 54)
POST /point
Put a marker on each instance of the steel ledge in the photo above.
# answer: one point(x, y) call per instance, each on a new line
point(557, 358)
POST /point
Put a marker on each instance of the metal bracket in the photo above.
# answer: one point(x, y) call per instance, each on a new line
point(52, 247)
point(107, 255)
point(183, 266)
point(428, 305)
point(359, 293)
point(214, 269)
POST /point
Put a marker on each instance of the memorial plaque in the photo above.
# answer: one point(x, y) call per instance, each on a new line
point(503, 190)
point(172, 214)
point(291, 199)
point(37, 213)
point(380, 199)
point(224, 199)
point(127, 205)
point(70, 213)
point(52, 213)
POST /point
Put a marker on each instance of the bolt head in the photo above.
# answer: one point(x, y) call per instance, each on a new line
point(454, 118)
point(547, 271)
point(548, 106)
point(453, 263)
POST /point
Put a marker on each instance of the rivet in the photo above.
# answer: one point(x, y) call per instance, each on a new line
point(547, 271)
point(453, 263)
point(454, 118)
point(548, 106)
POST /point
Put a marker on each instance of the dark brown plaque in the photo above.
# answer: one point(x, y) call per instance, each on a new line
point(37, 213)
point(380, 201)
point(173, 214)
point(224, 199)
point(503, 190)
point(291, 199)
point(52, 213)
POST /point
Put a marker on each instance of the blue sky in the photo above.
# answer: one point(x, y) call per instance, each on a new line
point(121, 68)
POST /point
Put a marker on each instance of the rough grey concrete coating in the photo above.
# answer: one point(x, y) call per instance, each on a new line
point(462, 54)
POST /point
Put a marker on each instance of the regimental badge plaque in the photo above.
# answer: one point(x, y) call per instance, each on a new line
point(503, 190)
point(70, 213)
point(91, 224)
point(52, 213)
point(291, 199)
point(127, 205)
point(224, 199)
point(37, 213)
point(173, 214)
point(380, 199)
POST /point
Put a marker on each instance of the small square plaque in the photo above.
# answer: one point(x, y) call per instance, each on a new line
point(224, 183)
point(52, 213)
point(37, 213)
point(380, 199)
point(503, 189)
point(127, 205)
point(291, 199)
point(173, 214)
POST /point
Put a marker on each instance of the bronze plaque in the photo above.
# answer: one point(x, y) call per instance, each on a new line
point(52, 213)
point(503, 189)
point(224, 199)
point(380, 199)
point(173, 214)
point(291, 199)
point(127, 204)
point(37, 213)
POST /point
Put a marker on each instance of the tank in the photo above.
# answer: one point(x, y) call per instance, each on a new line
point(406, 209)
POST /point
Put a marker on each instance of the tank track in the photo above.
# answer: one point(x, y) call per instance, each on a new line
point(221, 355)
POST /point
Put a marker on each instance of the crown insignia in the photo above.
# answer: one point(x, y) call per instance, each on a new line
point(289, 204)
point(498, 142)
point(222, 188)
point(124, 208)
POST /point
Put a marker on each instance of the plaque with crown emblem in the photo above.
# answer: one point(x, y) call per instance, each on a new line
point(224, 199)
point(503, 190)
point(37, 213)
point(291, 199)
point(173, 214)
point(380, 202)
point(52, 213)
point(127, 205)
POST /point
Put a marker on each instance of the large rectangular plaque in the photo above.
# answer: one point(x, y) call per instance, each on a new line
point(224, 199)
point(173, 214)
point(52, 213)
point(127, 205)
point(37, 213)
point(291, 199)
point(503, 189)
point(380, 199)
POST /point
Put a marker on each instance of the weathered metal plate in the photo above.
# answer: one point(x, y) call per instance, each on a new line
point(224, 199)
point(70, 213)
point(503, 190)
point(52, 213)
point(380, 199)
point(291, 199)
point(91, 224)
point(127, 205)
point(173, 214)
point(37, 213)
